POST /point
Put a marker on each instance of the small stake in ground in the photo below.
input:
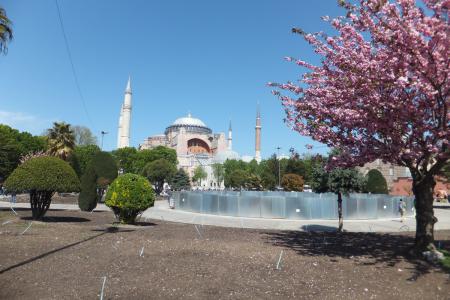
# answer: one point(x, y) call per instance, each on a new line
point(31, 223)
point(198, 231)
point(279, 260)
point(6, 222)
point(103, 287)
point(12, 208)
point(142, 251)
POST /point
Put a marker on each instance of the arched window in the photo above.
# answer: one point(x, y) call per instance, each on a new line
point(197, 146)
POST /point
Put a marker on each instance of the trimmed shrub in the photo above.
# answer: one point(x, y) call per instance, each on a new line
point(87, 200)
point(100, 172)
point(376, 183)
point(129, 195)
point(42, 177)
point(292, 182)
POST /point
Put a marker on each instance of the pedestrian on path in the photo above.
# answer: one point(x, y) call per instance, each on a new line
point(401, 209)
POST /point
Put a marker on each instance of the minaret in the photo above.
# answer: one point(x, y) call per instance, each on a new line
point(230, 139)
point(124, 127)
point(119, 133)
point(258, 136)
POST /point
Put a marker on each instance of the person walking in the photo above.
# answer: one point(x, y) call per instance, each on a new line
point(401, 209)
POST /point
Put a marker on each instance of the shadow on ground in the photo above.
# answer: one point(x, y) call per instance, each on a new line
point(384, 250)
point(57, 219)
point(108, 230)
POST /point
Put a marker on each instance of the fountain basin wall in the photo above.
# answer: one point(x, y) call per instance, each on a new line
point(291, 205)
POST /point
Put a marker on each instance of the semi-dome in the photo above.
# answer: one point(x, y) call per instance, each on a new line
point(222, 156)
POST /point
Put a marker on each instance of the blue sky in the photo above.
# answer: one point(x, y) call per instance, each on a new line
point(212, 58)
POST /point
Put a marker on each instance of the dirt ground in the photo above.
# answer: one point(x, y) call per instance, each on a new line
point(69, 254)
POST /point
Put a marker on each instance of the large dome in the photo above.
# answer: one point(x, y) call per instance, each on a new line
point(222, 156)
point(188, 121)
point(189, 124)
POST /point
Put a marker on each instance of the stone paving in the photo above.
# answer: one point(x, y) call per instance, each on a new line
point(161, 211)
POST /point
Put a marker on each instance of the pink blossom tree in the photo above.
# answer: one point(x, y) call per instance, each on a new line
point(381, 91)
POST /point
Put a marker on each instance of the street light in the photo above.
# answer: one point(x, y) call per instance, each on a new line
point(279, 167)
point(103, 134)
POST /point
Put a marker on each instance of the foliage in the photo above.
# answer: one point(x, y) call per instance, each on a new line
point(131, 160)
point(61, 140)
point(218, 172)
point(319, 179)
point(14, 145)
point(166, 153)
point(128, 196)
point(292, 182)
point(100, 172)
point(180, 181)
point(199, 174)
point(88, 197)
point(125, 158)
point(81, 157)
point(253, 182)
point(345, 181)
point(376, 183)
point(83, 136)
point(295, 166)
point(380, 92)
point(43, 174)
point(231, 165)
point(237, 179)
point(42, 177)
point(158, 172)
point(6, 34)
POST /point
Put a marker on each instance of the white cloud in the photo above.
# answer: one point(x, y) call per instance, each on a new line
point(25, 122)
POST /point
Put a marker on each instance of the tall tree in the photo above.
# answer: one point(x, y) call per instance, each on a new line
point(376, 183)
point(199, 175)
point(14, 145)
point(381, 91)
point(61, 140)
point(84, 136)
point(180, 181)
point(219, 172)
point(344, 181)
point(6, 33)
point(158, 172)
point(125, 159)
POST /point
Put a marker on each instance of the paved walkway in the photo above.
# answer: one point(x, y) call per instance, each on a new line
point(53, 206)
point(161, 211)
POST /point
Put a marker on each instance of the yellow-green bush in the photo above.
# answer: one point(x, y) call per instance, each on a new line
point(128, 195)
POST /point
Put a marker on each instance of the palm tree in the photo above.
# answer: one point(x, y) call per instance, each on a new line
point(61, 140)
point(6, 34)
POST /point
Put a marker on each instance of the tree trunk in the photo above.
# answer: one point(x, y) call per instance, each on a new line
point(40, 202)
point(425, 219)
point(341, 220)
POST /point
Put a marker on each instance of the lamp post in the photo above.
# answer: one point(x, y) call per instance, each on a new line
point(103, 134)
point(279, 167)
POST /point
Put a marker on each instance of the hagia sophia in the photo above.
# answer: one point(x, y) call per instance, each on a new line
point(194, 142)
point(197, 145)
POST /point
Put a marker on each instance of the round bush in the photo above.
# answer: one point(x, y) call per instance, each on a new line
point(42, 177)
point(292, 182)
point(45, 173)
point(128, 195)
